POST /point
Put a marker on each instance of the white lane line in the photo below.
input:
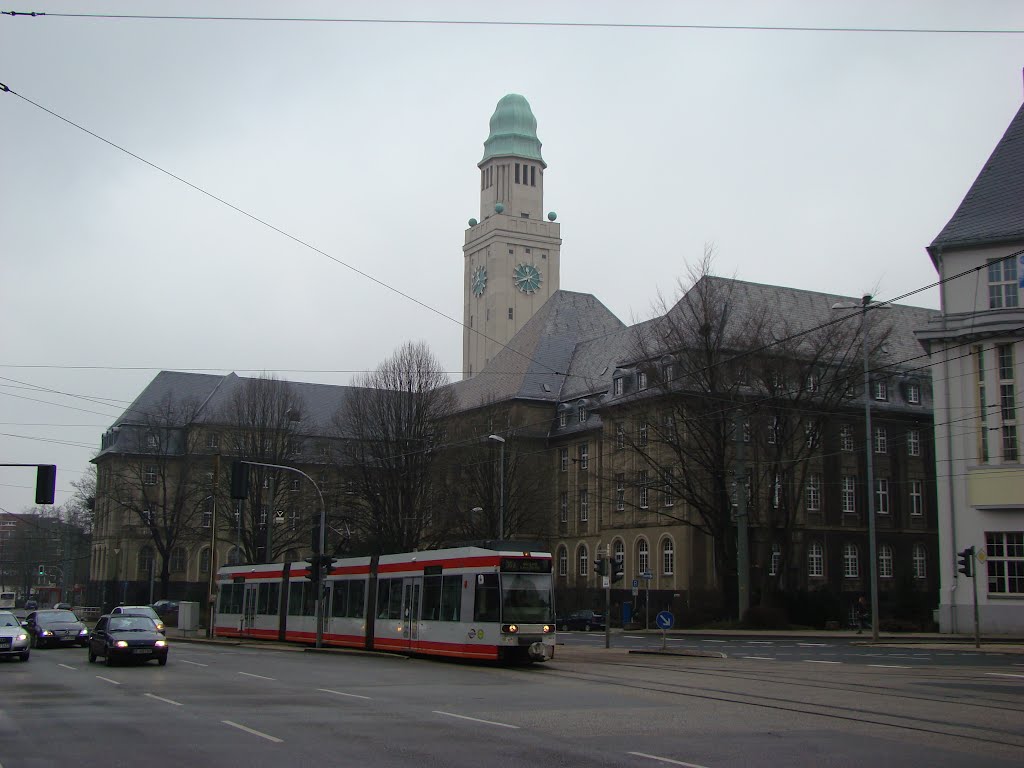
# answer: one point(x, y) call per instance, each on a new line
point(474, 719)
point(665, 760)
point(635, 637)
point(760, 658)
point(262, 735)
point(890, 666)
point(761, 642)
point(65, 667)
point(250, 674)
point(812, 645)
point(194, 663)
point(817, 661)
point(1003, 674)
point(340, 693)
point(705, 641)
point(107, 680)
point(161, 698)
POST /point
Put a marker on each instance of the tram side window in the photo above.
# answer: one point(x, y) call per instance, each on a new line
point(383, 590)
point(431, 598)
point(389, 599)
point(309, 599)
point(451, 598)
point(487, 606)
point(267, 599)
point(295, 598)
point(231, 598)
point(356, 599)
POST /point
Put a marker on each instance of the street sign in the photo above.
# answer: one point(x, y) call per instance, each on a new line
point(636, 590)
point(664, 620)
point(605, 582)
point(647, 575)
point(636, 583)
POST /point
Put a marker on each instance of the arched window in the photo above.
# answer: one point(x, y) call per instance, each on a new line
point(885, 561)
point(668, 557)
point(563, 562)
point(145, 561)
point(581, 557)
point(179, 559)
point(234, 556)
point(851, 561)
point(643, 557)
point(619, 548)
point(920, 562)
point(204, 560)
point(815, 560)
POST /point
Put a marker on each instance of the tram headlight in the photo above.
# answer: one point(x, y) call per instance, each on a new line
point(547, 629)
point(510, 629)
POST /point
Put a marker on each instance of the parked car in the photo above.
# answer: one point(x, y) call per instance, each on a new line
point(31, 604)
point(140, 610)
point(50, 627)
point(62, 606)
point(127, 637)
point(165, 608)
point(585, 620)
point(13, 637)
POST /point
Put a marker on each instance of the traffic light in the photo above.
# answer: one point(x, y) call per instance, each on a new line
point(618, 570)
point(966, 561)
point(319, 567)
point(46, 483)
point(239, 480)
point(601, 566)
point(42, 570)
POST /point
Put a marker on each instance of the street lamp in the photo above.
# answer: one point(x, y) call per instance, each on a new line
point(865, 305)
point(501, 486)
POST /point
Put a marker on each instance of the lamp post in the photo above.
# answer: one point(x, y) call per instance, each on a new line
point(865, 305)
point(501, 486)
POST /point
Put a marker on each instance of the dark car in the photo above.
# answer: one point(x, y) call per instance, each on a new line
point(122, 637)
point(31, 604)
point(50, 627)
point(585, 620)
point(165, 608)
point(140, 610)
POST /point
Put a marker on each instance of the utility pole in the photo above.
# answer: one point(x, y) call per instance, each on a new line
point(212, 592)
point(742, 540)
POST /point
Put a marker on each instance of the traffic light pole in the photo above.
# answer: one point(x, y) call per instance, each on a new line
point(974, 585)
point(608, 603)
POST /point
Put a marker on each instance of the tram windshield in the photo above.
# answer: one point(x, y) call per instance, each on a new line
point(526, 598)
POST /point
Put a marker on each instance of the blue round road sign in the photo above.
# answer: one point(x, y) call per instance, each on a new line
point(665, 620)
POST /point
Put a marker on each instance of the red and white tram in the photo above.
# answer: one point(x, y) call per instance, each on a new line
point(468, 602)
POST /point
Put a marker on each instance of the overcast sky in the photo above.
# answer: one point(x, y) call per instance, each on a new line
point(819, 160)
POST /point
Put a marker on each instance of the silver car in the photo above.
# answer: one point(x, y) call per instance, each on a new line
point(13, 637)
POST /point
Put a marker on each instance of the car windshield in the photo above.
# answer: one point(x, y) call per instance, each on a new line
point(55, 617)
point(526, 597)
point(138, 610)
point(131, 624)
point(9, 620)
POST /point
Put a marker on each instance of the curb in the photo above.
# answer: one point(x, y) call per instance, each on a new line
point(681, 652)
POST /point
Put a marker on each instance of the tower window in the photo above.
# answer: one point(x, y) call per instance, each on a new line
point(517, 173)
point(510, 313)
point(527, 250)
point(533, 176)
point(511, 252)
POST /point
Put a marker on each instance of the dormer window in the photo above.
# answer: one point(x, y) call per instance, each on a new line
point(1002, 283)
point(880, 390)
point(641, 380)
point(617, 386)
point(563, 418)
point(914, 394)
point(152, 441)
point(582, 413)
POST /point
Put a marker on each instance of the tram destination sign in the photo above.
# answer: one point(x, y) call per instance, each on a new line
point(525, 565)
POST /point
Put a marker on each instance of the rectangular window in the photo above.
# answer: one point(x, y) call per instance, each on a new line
point(881, 390)
point(881, 496)
point(813, 493)
point(1010, 452)
point(517, 173)
point(916, 497)
point(668, 493)
point(913, 442)
point(773, 432)
point(914, 394)
point(643, 433)
point(620, 491)
point(149, 474)
point(582, 413)
point(1005, 562)
point(979, 354)
point(642, 488)
point(563, 507)
point(1007, 403)
point(563, 459)
point(668, 373)
point(811, 434)
point(533, 176)
point(849, 493)
point(152, 441)
point(881, 440)
point(620, 436)
point(641, 381)
point(584, 506)
point(584, 456)
point(1002, 283)
point(212, 440)
point(1005, 361)
point(563, 418)
point(617, 386)
point(846, 438)
point(510, 313)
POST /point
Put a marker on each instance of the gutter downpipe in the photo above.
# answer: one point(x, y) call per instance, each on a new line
point(953, 612)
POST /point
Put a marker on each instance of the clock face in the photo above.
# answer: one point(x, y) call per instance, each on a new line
point(527, 278)
point(479, 283)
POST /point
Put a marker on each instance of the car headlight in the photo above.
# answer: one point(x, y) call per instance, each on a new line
point(160, 626)
point(83, 632)
point(22, 637)
point(121, 643)
point(160, 643)
point(46, 633)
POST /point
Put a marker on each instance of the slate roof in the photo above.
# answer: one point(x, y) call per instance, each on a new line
point(993, 209)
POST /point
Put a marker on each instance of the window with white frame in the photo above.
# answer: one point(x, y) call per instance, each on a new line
point(582, 413)
point(152, 441)
point(813, 382)
point(846, 438)
point(619, 548)
point(885, 561)
point(851, 561)
point(773, 432)
point(563, 507)
point(776, 559)
point(1004, 552)
point(620, 436)
point(584, 506)
point(668, 373)
point(914, 393)
point(920, 561)
point(668, 557)
point(264, 513)
point(849, 493)
point(643, 557)
point(207, 518)
point(145, 561)
point(643, 433)
point(179, 559)
point(1007, 402)
point(212, 440)
point(642, 488)
point(916, 497)
point(811, 434)
point(584, 455)
point(620, 491)
point(617, 386)
point(582, 560)
point(563, 459)
point(147, 516)
point(1002, 283)
point(880, 390)
point(882, 495)
point(881, 440)
point(776, 492)
point(234, 556)
point(149, 474)
point(563, 562)
point(813, 492)
point(641, 380)
point(668, 494)
point(815, 560)
point(913, 442)
point(204, 560)
point(563, 418)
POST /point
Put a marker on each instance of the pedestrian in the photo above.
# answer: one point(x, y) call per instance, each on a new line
point(862, 614)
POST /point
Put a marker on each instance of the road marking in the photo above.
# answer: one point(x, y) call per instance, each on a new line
point(107, 680)
point(890, 666)
point(705, 641)
point(635, 637)
point(812, 645)
point(65, 667)
point(761, 658)
point(1003, 674)
point(761, 642)
point(250, 674)
point(194, 663)
point(474, 719)
point(818, 661)
point(262, 735)
point(339, 693)
point(161, 698)
point(665, 760)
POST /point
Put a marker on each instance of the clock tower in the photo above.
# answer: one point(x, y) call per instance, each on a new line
point(511, 254)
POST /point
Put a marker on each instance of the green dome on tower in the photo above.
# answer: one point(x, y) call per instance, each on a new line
point(513, 131)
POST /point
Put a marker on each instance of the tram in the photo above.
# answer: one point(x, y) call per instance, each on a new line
point(467, 602)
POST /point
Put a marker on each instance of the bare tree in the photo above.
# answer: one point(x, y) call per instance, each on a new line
point(389, 428)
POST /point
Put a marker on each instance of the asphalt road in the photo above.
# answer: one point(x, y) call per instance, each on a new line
point(252, 706)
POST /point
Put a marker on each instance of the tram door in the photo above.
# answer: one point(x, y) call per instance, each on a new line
point(411, 609)
point(249, 607)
